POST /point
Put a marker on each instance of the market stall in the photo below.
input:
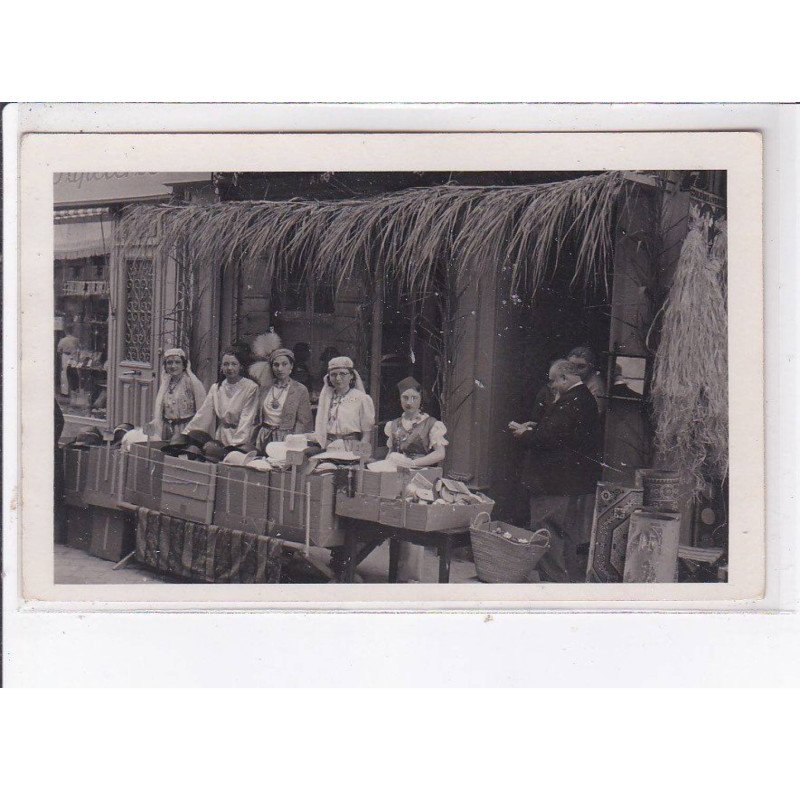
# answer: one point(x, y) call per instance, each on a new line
point(490, 284)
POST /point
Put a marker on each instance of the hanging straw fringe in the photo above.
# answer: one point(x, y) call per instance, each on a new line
point(412, 233)
point(690, 377)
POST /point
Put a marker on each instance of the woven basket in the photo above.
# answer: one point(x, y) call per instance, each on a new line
point(501, 560)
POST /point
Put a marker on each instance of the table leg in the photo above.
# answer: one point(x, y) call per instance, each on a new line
point(445, 551)
point(351, 558)
point(345, 557)
point(394, 559)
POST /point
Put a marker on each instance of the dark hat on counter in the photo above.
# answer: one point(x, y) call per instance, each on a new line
point(214, 451)
point(193, 453)
point(121, 430)
point(91, 437)
point(199, 438)
point(409, 383)
point(177, 444)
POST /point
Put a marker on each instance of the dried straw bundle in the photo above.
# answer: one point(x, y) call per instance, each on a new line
point(411, 233)
point(690, 378)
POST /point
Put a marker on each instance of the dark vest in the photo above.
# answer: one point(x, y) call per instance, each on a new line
point(413, 443)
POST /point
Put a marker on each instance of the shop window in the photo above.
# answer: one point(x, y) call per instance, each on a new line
point(305, 298)
point(293, 298)
point(81, 336)
point(324, 298)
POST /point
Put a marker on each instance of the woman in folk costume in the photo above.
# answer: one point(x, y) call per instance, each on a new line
point(284, 408)
point(346, 413)
point(415, 439)
point(180, 394)
point(260, 368)
point(229, 411)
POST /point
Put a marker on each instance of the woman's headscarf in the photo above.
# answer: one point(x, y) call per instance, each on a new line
point(198, 390)
point(326, 396)
point(281, 351)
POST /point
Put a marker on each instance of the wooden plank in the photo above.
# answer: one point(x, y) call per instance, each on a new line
point(377, 339)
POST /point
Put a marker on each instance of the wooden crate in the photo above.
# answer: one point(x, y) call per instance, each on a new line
point(360, 506)
point(142, 478)
point(303, 504)
point(187, 489)
point(79, 527)
point(106, 477)
point(241, 499)
point(390, 485)
point(76, 470)
point(434, 517)
point(113, 533)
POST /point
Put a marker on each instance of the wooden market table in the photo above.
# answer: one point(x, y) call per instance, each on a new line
point(362, 537)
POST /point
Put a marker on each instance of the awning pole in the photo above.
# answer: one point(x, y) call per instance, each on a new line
point(377, 340)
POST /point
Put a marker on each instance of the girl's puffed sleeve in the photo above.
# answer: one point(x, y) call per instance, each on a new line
point(438, 435)
point(366, 416)
point(387, 429)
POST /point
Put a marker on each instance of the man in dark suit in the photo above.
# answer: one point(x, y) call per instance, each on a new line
point(562, 470)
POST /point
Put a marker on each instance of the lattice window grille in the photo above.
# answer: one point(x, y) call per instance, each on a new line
point(139, 310)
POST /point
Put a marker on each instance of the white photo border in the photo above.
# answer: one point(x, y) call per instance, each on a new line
point(739, 153)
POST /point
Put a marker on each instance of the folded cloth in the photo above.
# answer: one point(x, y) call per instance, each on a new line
point(382, 466)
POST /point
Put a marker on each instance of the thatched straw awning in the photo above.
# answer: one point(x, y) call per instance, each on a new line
point(408, 234)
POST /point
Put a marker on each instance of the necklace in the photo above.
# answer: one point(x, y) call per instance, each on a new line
point(276, 397)
point(337, 400)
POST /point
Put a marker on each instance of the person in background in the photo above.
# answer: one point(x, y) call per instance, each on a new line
point(258, 367)
point(417, 440)
point(229, 411)
point(346, 413)
point(284, 408)
point(302, 372)
point(562, 470)
point(584, 361)
point(180, 395)
point(67, 347)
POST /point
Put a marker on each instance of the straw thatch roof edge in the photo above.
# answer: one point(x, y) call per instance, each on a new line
point(524, 229)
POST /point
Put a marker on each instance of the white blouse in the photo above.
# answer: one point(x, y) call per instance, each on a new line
point(229, 412)
point(353, 412)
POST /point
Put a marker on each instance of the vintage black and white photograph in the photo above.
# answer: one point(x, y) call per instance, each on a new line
point(415, 377)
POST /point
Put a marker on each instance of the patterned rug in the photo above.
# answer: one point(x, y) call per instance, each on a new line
point(205, 553)
point(614, 505)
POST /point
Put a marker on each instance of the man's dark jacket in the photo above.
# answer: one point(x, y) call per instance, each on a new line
point(564, 448)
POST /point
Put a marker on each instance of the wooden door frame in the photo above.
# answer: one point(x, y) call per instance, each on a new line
point(117, 291)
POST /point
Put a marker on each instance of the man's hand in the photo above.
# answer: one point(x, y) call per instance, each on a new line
point(520, 428)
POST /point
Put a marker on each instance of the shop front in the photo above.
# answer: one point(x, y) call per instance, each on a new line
point(472, 284)
point(82, 250)
point(112, 310)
